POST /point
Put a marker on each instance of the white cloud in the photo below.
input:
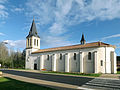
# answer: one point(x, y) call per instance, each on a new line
point(2, 7)
point(54, 41)
point(41, 9)
point(2, 34)
point(3, 1)
point(3, 10)
point(56, 29)
point(16, 44)
point(59, 14)
point(18, 9)
point(112, 36)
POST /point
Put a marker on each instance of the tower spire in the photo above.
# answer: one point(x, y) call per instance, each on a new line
point(33, 30)
point(82, 39)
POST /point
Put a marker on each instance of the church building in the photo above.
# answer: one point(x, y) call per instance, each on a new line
point(96, 57)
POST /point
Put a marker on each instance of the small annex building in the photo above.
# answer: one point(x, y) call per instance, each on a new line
point(96, 57)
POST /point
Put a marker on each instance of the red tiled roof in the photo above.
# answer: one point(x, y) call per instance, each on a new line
point(79, 46)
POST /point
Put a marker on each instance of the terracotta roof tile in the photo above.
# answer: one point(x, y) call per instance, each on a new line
point(79, 46)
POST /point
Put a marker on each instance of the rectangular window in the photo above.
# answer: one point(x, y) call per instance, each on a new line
point(47, 57)
point(37, 42)
point(101, 62)
point(74, 56)
point(34, 41)
point(60, 56)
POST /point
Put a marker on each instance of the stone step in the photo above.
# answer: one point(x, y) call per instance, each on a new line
point(98, 88)
point(103, 85)
point(105, 81)
point(109, 84)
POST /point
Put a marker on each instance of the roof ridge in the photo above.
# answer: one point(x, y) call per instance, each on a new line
point(87, 45)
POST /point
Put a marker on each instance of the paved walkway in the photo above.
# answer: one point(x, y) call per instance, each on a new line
point(110, 76)
point(55, 85)
point(41, 82)
point(53, 81)
point(103, 76)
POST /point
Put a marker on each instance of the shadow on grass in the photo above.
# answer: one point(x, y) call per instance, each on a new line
point(12, 84)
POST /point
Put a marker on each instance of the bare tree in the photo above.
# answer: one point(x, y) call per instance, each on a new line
point(11, 58)
point(3, 54)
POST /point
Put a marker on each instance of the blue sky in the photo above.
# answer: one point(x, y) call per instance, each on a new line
point(60, 22)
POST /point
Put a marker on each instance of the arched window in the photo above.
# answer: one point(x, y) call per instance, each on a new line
point(37, 42)
point(60, 56)
point(30, 41)
point(34, 41)
point(28, 59)
point(101, 62)
point(47, 57)
point(74, 56)
point(89, 56)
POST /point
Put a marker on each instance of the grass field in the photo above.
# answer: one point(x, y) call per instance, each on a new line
point(118, 72)
point(11, 84)
point(80, 74)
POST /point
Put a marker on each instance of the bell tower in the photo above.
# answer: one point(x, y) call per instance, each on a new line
point(32, 43)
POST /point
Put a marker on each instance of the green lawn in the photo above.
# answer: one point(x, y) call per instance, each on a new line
point(80, 74)
point(11, 84)
point(20, 69)
point(118, 72)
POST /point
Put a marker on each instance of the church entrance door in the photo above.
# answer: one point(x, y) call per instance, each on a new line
point(35, 66)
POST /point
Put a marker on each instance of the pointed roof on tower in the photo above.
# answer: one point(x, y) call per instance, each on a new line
point(33, 30)
point(82, 39)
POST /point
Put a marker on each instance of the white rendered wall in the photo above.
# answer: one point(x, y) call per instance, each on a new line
point(68, 64)
point(74, 64)
point(81, 54)
point(108, 59)
point(61, 63)
point(38, 63)
point(29, 58)
point(31, 62)
point(88, 66)
point(115, 63)
point(101, 56)
point(54, 64)
point(48, 63)
point(41, 62)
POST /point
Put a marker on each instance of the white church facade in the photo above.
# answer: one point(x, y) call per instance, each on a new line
point(96, 57)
